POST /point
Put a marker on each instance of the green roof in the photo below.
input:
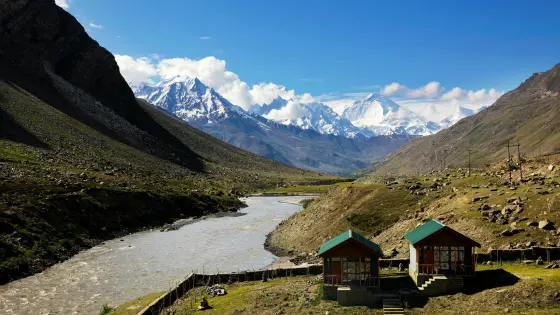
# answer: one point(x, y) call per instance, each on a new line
point(424, 231)
point(343, 237)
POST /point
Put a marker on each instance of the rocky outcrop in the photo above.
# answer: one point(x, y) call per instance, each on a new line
point(47, 52)
point(36, 35)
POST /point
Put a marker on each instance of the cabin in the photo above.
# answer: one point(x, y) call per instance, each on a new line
point(350, 268)
point(440, 254)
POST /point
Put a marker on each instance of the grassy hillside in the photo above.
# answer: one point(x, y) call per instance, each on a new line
point(81, 160)
point(65, 186)
point(386, 208)
point(529, 115)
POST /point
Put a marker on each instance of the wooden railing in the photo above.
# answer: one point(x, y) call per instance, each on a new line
point(435, 269)
point(336, 280)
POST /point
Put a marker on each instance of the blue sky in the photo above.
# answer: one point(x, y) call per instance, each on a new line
point(335, 49)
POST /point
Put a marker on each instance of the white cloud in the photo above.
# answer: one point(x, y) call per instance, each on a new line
point(292, 110)
point(205, 37)
point(62, 3)
point(392, 88)
point(212, 72)
point(265, 93)
point(98, 26)
point(438, 108)
point(454, 93)
point(429, 90)
point(136, 71)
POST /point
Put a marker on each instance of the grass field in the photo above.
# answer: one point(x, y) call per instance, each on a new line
point(511, 288)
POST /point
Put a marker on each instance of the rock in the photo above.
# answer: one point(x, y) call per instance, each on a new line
point(540, 261)
point(551, 167)
point(546, 225)
point(484, 206)
point(530, 244)
point(475, 199)
point(532, 223)
point(506, 233)
point(513, 225)
point(216, 290)
point(203, 305)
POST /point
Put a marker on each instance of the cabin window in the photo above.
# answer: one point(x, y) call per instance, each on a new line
point(356, 270)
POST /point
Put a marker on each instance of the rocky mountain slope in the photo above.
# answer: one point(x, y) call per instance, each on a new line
point(299, 146)
point(528, 115)
point(311, 116)
point(484, 206)
point(82, 160)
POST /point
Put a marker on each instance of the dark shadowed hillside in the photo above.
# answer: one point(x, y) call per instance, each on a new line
point(82, 160)
point(529, 115)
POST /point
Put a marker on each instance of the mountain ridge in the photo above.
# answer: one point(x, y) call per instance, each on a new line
point(283, 142)
point(529, 114)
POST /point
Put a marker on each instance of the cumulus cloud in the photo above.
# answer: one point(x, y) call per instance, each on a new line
point(212, 72)
point(265, 93)
point(98, 26)
point(454, 93)
point(62, 3)
point(136, 71)
point(392, 88)
point(429, 90)
point(292, 110)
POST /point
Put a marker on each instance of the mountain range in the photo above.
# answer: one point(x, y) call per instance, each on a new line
point(202, 107)
point(303, 134)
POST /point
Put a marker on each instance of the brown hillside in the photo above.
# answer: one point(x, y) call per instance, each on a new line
point(529, 115)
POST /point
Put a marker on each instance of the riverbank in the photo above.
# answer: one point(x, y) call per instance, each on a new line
point(62, 221)
point(122, 269)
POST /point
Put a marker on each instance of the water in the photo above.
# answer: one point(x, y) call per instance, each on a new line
point(146, 262)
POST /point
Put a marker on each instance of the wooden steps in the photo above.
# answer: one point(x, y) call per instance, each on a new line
point(393, 305)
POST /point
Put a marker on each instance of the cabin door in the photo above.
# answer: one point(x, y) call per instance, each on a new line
point(336, 270)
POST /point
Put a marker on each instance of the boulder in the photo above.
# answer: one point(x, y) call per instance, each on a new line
point(506, 233)
point(204, 304)
point(546, 225)
point(484, 206)
point(216, 290)
point(530, 244)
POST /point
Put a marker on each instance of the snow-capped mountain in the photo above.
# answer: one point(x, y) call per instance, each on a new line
point(188, 99)
point(459, 113)
point(309, 116)
point(308, 146)
point(379, 115)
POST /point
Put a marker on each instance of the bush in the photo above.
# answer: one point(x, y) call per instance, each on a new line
point(105, 309)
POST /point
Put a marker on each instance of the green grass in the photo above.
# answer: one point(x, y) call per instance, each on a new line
point(311, 189)
point(133, 307)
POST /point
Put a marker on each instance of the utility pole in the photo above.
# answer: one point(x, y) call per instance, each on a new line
point(520, 161)
point(509, 162)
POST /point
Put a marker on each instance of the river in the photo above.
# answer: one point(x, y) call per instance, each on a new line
point(123, 269)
